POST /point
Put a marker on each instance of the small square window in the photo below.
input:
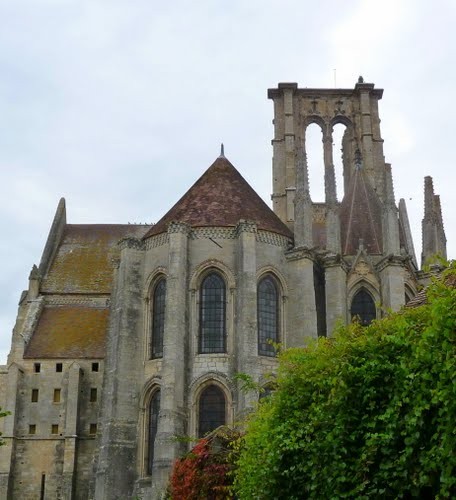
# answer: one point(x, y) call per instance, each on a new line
point(56, 396)
point(93, 394)
point(32, 429)
point(93, 429)
point(37, 367)
point(35, 393)
point(59, 367)
point(95, 367)
point(54, 429)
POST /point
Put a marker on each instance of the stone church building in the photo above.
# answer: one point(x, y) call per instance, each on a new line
point(131, 335)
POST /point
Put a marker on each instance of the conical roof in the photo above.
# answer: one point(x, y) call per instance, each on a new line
point(221, 197)
point(361, 216)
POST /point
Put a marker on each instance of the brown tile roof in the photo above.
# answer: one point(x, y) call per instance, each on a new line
point(361, 217)
point(69, 332)
point(221, 197)
point(83, 262)
point(421, 297)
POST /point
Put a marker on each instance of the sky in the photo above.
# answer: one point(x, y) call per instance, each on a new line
point(120, 106)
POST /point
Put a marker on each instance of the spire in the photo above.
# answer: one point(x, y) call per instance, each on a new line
point(406, 231)
point(222, 150)
point(433, 233)
point(302, 202)
point(361, 216)
point(391, 222)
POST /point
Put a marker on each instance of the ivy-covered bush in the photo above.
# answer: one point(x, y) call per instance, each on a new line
point(205, 473)
point(369, 414)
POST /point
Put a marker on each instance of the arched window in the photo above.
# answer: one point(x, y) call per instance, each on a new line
point(363, 307)
point(158, 319)
point(268, 316)
point(211, 410)
point(212, 334)
point(154, 409)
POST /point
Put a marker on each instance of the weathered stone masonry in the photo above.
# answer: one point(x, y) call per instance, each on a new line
point(94, 412)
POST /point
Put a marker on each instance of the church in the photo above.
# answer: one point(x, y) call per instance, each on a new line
point(130, 336)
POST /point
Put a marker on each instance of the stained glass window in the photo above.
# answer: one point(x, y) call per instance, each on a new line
point(211, 410)
point(212, 336)
point(363, 307)
point(154, 409)
point(268, 316)
point(158, 319)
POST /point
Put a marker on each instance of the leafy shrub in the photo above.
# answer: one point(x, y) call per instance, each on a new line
point(205, 472)
point(368, 414)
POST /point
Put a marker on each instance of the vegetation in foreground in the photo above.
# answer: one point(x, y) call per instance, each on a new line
point(368, 414)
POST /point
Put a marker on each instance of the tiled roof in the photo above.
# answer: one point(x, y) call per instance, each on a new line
point(84, 260)
point(421, 297)
point(361, 217)
point(221, 197)
point(69, 332)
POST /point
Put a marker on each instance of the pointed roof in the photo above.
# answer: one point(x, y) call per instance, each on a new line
point(361, 216)
point(221, 197)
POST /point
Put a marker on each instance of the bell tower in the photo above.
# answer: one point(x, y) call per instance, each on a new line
point(294, 110)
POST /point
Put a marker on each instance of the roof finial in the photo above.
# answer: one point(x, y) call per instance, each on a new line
point(222, 151)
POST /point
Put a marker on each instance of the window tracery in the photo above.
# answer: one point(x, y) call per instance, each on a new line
point(158, 319)
point(154, 409)
point(212, 328)
point(212, 410)
point(363, 307)
point(268, 316)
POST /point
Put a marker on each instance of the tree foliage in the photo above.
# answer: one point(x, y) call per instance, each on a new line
point(205, 473)
point(367, 414)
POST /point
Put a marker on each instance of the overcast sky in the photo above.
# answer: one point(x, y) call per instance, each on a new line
point(119, 106)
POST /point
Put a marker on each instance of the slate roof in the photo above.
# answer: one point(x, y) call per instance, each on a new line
point(361, 217)
point(221, 197)
point(84, 259)
point(69, 332)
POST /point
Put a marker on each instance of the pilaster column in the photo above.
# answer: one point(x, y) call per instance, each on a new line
point(246, 342)
point(302, 312)
point(332, 208)
point(72, 411)
point(116, 468)
point(173, 416)
point(392, 283)
point(336, 293)
point(330, 176)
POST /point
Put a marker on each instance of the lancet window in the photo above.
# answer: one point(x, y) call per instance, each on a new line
point(268, 316)
point(363, 307)
point(212, 328)
point(154, 409)
point(212, 410)
point(158, 319)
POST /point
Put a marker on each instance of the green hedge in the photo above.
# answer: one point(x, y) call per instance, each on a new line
point(368, 414)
